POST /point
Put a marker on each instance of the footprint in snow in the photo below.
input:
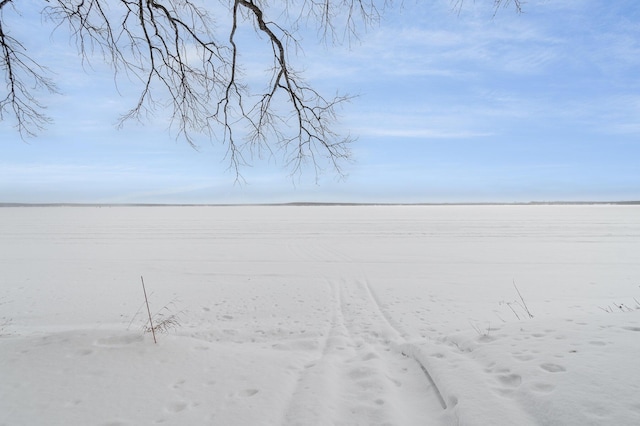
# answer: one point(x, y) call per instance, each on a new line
point(176, 407)
point(542, 387)
point(523, 357)
point(369, 356)
point(116, 423)
point(178, 384)
point(552, 368)
point(249, 392)
point(510, 380)
point(117, 341)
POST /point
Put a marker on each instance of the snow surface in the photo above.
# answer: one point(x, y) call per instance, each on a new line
point(332, 315)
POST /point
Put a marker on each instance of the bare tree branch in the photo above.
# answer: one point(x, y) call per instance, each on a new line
point(497, 4)
point(22, 75)
point(171, 48)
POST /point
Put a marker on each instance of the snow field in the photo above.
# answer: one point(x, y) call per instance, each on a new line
point(368, 315)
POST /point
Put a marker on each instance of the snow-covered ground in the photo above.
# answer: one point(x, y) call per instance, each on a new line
point(360, 315)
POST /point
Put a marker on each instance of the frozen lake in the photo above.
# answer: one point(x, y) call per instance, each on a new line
point(321, 315)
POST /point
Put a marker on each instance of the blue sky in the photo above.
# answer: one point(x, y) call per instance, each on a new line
point(452, 106)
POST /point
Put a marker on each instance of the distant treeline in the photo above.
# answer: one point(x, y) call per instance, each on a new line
point(302, 203)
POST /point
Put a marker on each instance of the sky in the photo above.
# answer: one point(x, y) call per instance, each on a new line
point(451, 104)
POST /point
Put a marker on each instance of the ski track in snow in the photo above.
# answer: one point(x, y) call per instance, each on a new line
point(360, 362)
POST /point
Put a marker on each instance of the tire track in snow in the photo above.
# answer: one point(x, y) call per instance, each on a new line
point(360, 378)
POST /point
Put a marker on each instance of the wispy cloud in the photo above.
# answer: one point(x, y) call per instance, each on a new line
point(426, 124)
point(418, 133)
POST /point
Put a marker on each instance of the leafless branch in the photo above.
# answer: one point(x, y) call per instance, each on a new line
point(22, 76)
point(497, 4)
point(173, 50)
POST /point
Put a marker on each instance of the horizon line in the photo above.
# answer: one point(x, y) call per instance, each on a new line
point(318, 204)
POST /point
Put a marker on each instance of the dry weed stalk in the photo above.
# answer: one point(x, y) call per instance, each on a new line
point(146, 300)
point(162, 321)
point(615, 307)
point(521, 303)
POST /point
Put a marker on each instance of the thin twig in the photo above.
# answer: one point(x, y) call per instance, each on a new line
point(153, 331)
point(524, 304)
